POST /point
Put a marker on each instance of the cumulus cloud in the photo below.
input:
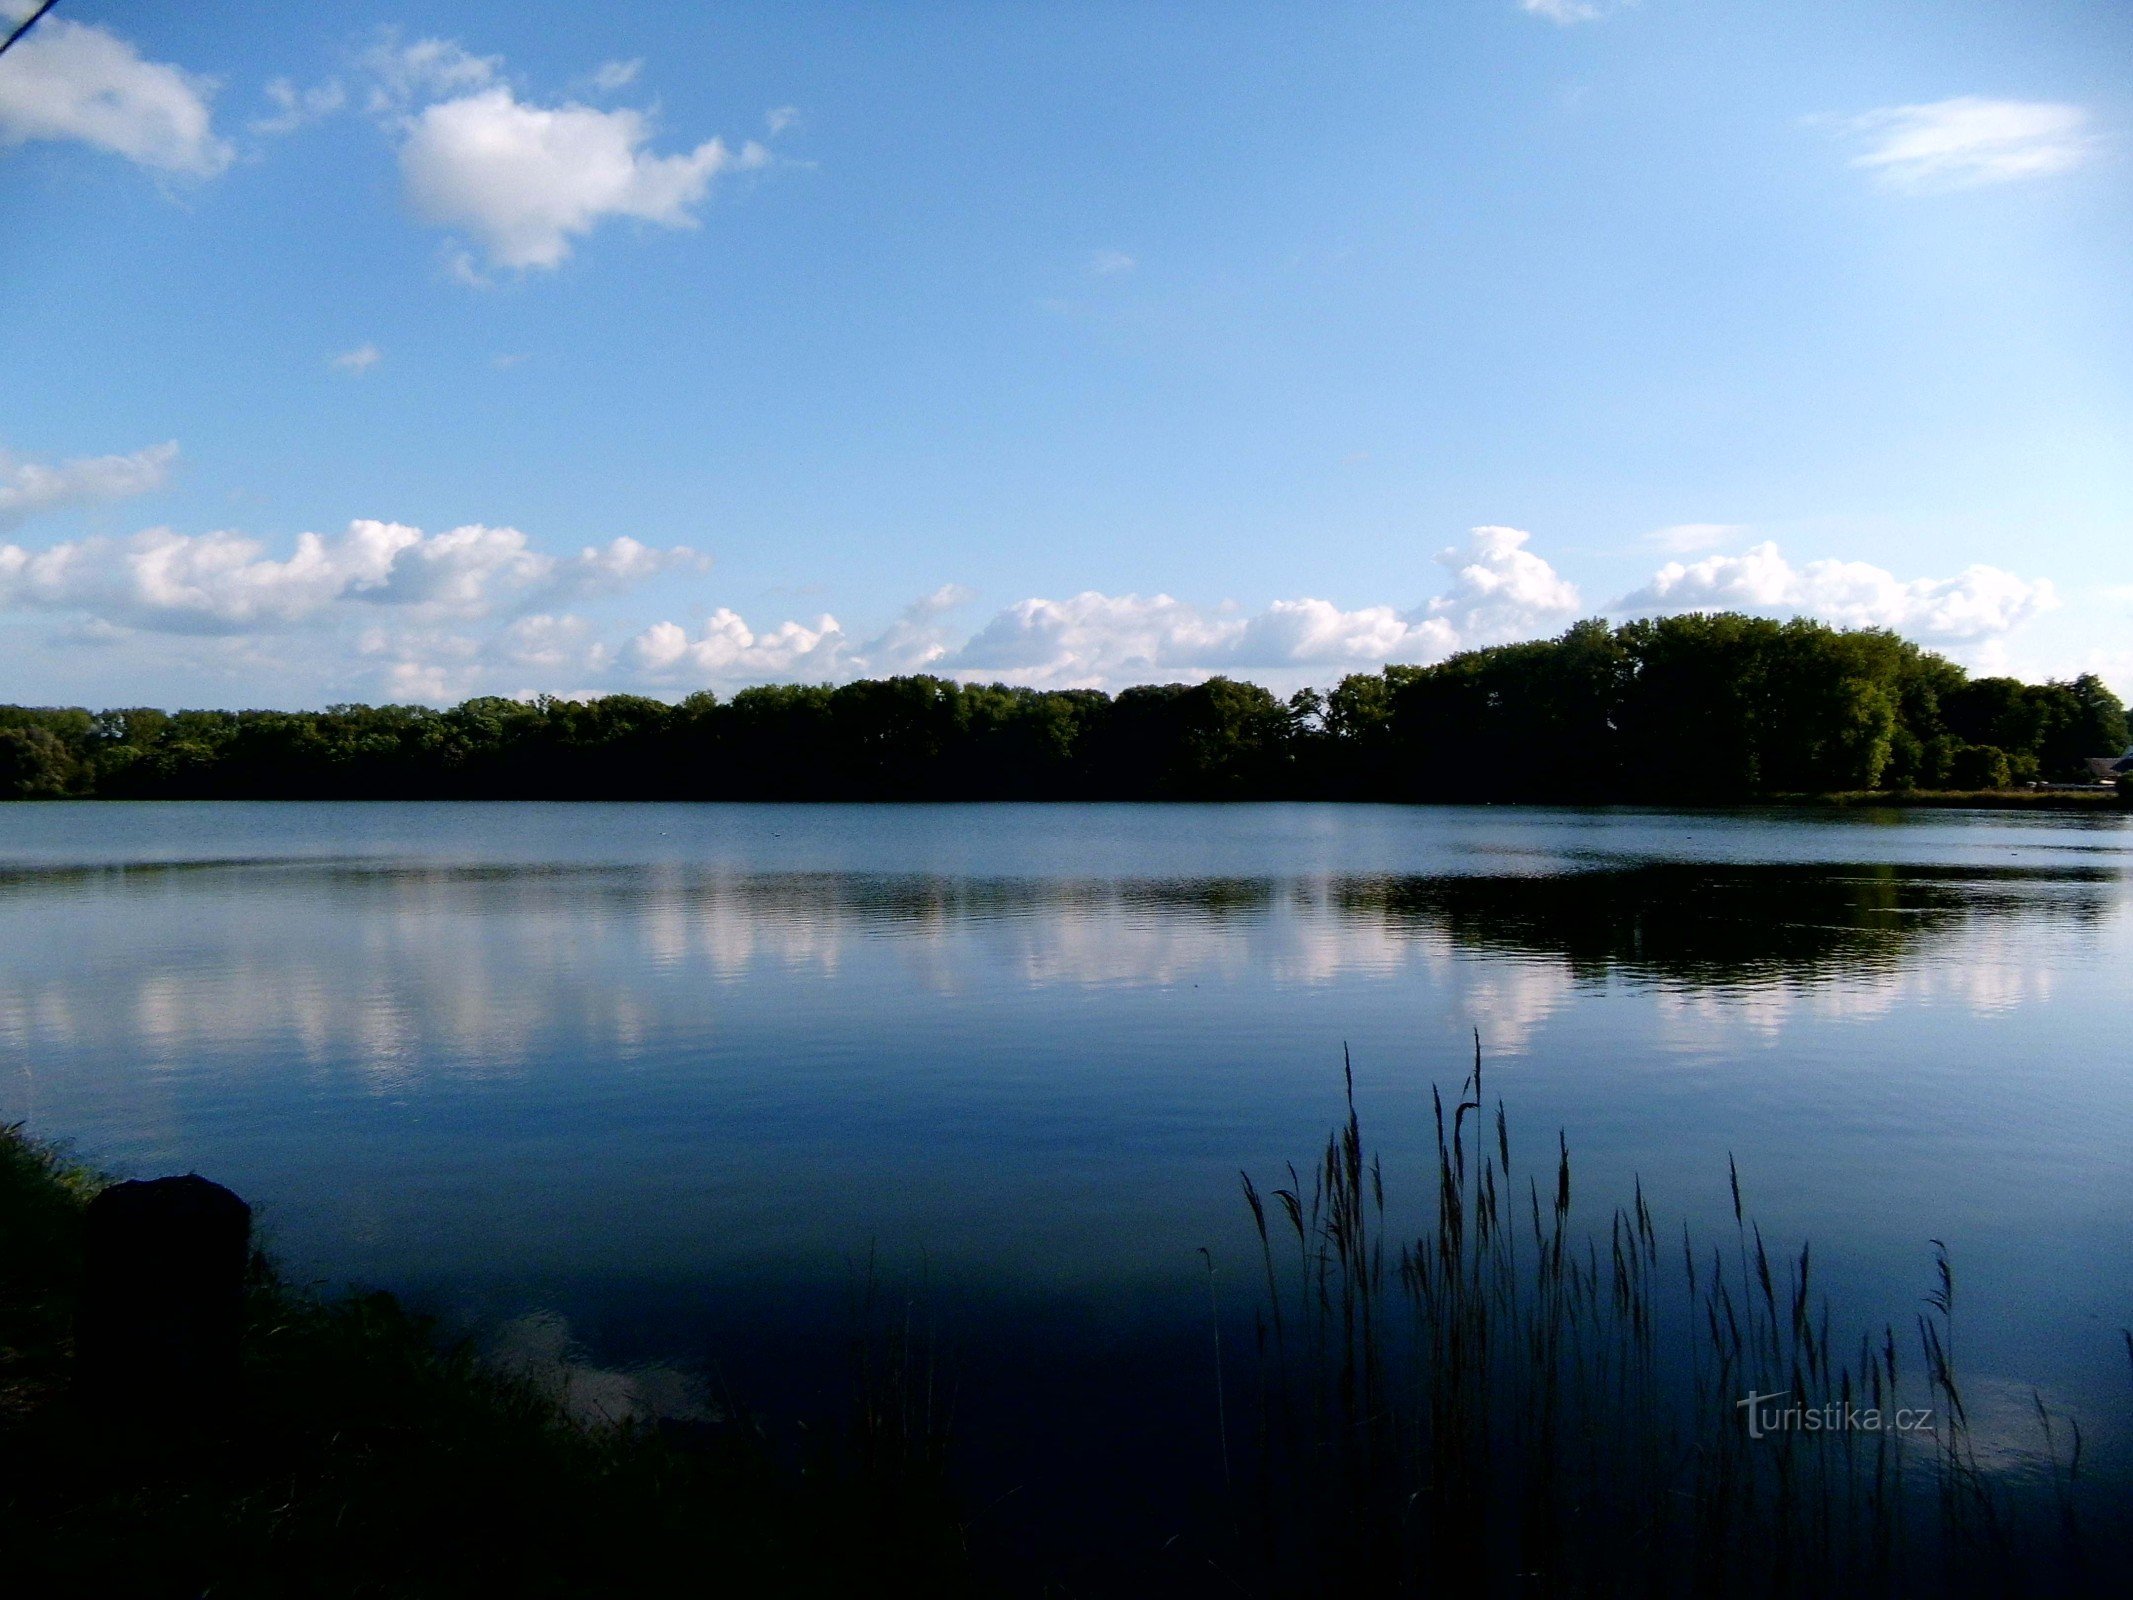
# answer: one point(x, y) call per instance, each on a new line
point(28, 487)
point(1970, 141)
point(618, 565)
point(544, 653)
point(549, 644)
point(224, 582)
point(77, 81)
point(1110, 263)
point(478, 609)
point(1977, 604)
point(358, 361)
point(1501, 590)
point(727, 649)
point(1498, 590)
point(918, 639)
point(524, 181)
point(296, 108)
point(1093, 638)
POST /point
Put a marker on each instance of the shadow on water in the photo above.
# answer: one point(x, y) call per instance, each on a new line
point(1704, 924)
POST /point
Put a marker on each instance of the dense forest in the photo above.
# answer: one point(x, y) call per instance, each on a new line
point(1705, 708)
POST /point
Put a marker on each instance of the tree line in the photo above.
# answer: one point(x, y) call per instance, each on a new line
point(1697, 708)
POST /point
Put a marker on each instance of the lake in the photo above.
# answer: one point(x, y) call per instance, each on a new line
point(643, 1087)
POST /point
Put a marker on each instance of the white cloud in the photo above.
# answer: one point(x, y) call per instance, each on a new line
point(428, 69)
point(1109, 263)
point(620, 564)
point(358, 361)
point(728, 650)
point(779, 118)
point(1686, 538)
point(527, 180)
point(1563, 13)
point(296, 108)
point(1970, 141)
point(521, 182)
point(1095, 638)
point(1500, 590)
point(223, 582)
point(918, 638)
point(76, 81)
point(387, 608)
point(551, 644)
point(28, 487)
point(1977, 604)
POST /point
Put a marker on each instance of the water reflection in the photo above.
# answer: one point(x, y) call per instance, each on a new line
point(1700, 926)
point(469, 969)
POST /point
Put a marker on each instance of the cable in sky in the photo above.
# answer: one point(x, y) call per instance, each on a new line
point(25, 25)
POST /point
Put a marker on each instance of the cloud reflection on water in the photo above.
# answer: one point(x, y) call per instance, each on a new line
point(403, 969)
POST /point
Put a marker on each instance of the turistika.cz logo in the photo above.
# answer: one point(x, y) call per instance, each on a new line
point(1765, 1418)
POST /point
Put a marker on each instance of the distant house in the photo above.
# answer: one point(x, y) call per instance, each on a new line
point(2107, 769)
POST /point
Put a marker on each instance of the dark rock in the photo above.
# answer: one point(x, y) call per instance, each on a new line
point(162, 1302)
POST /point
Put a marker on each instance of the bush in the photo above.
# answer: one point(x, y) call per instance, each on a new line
point(1978, 766)
point(34, 764)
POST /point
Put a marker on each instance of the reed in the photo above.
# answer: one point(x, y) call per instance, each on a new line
point(1514, 1401)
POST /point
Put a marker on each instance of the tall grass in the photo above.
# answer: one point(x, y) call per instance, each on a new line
point(1511, 1402)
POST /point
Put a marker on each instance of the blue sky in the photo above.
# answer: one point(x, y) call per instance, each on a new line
point(362, 353)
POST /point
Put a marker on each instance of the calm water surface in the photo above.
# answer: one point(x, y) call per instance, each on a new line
point(641, 1083)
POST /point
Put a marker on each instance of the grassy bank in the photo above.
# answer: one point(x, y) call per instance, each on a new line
point(366, 1457)
point(1970, 799)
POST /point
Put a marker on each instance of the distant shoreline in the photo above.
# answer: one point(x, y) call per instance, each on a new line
point(1962, 799)
point(1701, 709)
point(2078, 800)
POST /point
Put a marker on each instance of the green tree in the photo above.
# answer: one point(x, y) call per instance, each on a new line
point(2079, 720)
point(1979, 766)
point(35, 764)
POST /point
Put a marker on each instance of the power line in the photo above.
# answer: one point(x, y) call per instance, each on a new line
point(26, 24)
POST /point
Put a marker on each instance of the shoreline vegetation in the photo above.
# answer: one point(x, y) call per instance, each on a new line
point(1701, 709)
point(365, 1456)
point(2086, 798)
point(1485, 1402)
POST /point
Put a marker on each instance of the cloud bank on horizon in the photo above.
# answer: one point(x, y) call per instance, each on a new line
point(388, 610)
